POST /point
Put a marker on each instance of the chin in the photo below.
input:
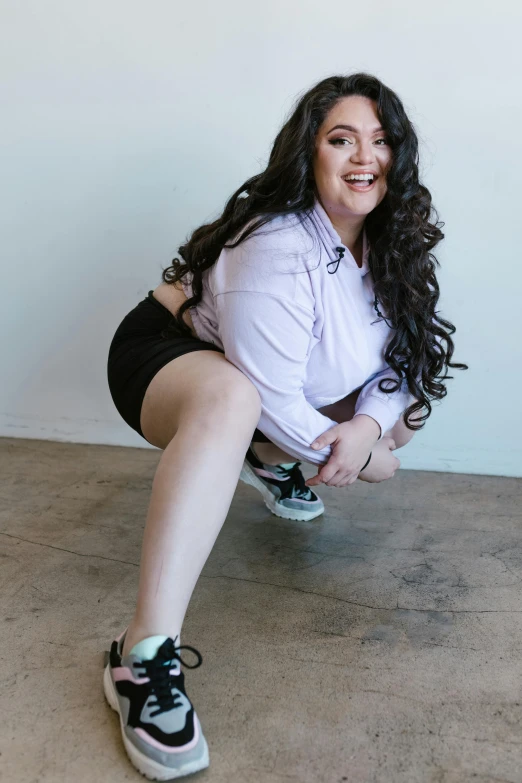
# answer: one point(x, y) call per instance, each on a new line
point(364, 206)
point(361, 209)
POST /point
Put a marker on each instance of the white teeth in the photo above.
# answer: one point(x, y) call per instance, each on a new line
point(360, 176)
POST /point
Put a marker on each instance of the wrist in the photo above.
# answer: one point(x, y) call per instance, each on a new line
point(366, 463)
point(368, 425)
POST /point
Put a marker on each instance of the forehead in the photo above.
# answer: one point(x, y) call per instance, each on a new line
point(353, 110)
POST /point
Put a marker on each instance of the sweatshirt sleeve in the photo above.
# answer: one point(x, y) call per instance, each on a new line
point(384, 408)
point(268, 337)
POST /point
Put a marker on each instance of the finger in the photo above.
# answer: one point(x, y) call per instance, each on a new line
point(335, 480)
point(324, 475)
point(326, 439)
point(350, 478)
point(315, 480)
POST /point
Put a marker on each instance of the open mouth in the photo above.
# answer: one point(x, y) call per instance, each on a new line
point(361, 185)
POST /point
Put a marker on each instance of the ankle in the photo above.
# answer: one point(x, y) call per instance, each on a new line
point(271, 454)
point(136, 633)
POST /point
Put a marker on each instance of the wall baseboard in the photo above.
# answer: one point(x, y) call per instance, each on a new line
point(416, 455)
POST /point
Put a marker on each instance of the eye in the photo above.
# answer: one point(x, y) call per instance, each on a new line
point(337, 141)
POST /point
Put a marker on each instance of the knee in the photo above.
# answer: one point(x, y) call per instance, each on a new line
point(232, 397)
point(242, 397)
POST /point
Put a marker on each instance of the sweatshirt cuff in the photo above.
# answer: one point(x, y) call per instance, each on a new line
point(380, 411)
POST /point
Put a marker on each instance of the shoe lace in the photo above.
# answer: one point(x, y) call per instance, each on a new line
point(298, 481)
point(161, 680)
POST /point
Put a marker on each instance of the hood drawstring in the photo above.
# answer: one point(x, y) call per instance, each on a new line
point(337, 261)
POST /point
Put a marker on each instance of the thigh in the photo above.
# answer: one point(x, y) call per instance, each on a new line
point(201, 385)
point(155, 373)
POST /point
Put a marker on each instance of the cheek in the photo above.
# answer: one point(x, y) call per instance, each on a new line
point(318, 169)
point(382, 190)
point(326, 163)
point(385, 163)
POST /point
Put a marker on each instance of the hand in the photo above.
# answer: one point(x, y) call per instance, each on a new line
point(383, 463)
point(351, 443)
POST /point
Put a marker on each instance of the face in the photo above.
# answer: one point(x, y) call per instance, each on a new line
point(341, 151)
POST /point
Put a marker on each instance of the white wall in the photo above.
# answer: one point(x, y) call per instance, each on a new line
point(127, 124)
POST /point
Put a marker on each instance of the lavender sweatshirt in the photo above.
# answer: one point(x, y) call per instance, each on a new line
point(305, 334)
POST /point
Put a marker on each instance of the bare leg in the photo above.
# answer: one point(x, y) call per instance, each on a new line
point(217, 409)
point(271, 454)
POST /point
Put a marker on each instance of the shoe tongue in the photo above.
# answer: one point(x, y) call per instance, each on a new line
point(305, 495)
point(148, 648)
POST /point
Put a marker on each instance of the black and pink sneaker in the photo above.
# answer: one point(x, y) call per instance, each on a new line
point(283, 488)
point(160, 729)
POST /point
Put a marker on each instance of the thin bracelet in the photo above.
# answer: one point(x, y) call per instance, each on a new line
point(367, 463)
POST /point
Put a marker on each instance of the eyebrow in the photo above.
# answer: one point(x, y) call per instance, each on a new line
point(351, 128)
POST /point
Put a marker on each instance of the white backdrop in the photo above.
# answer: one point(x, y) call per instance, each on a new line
point(125, 125)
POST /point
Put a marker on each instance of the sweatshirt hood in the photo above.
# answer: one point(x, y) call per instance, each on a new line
point(332, 240)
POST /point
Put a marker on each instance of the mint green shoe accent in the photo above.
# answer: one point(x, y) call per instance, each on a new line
point(147, 648)
point(170, 743)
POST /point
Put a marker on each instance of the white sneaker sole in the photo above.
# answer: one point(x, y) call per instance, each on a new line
point(250, 477)
point(149, 768)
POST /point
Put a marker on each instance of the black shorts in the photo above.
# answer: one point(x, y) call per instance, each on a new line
point(138, 351)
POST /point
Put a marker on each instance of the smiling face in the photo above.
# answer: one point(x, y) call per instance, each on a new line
point(340, 151)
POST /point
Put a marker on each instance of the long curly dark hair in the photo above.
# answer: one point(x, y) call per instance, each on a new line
point(400, 234)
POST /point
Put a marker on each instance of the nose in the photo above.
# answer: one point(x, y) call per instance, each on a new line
point(363, 152)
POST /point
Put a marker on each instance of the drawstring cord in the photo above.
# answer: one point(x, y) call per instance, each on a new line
point(337, 261)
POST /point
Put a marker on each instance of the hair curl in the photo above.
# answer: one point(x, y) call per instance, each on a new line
point(400, 234)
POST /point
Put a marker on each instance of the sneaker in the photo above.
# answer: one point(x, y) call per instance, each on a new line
point(283, 488)
point(160, 729)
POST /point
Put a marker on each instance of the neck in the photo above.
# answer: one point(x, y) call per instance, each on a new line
point(351, 233)
point(350, 230)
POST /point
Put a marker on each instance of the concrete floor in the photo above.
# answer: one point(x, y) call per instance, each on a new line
point(380, 642)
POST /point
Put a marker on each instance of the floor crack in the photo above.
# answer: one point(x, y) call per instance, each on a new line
point(70, 551)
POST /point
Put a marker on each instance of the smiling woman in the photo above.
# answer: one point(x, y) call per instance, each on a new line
point(306, 311)
point(363, 177)
point(351, 159)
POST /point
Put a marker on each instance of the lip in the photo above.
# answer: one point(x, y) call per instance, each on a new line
point(358, 190)
point(361, 171)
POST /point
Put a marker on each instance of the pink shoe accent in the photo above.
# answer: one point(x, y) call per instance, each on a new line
point(267, 473)
point(166, 748)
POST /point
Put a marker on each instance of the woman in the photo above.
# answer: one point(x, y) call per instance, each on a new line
point(282, 325)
